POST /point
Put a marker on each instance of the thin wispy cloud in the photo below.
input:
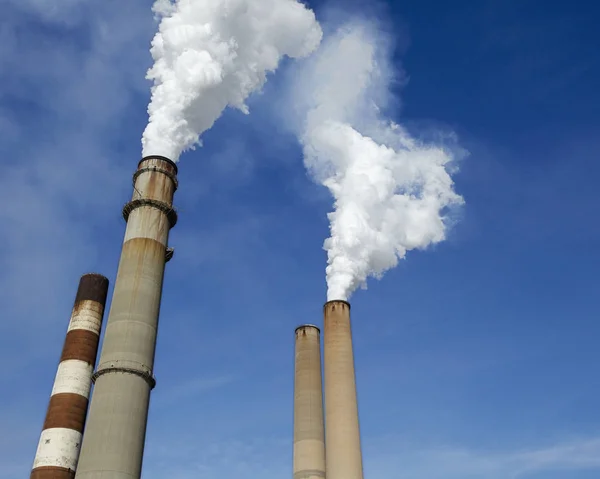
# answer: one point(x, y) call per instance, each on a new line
point(65, 92)
point(63, 185)
point(190, 390)
point(385, 458)
point(398, 459)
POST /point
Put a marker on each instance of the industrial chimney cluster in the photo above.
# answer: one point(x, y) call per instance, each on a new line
point(112, 444)
point(326, 446)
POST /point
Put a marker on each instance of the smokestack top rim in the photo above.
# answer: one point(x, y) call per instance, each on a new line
point(93, 274)
point(93, 287)
point(337, 301)
point(159, 157)
point(307, 326)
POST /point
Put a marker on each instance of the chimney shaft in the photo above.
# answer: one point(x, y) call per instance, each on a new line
point(58, 449)
point(309, 440)
point(342, 435)
point(114, 438)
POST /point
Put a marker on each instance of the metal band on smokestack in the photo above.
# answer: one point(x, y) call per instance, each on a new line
point(58, 449)
point(309, 433)
point(342, 434)
point(115, 434)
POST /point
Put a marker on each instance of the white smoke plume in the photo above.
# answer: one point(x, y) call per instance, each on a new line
point(391, 191)
point(210, 54)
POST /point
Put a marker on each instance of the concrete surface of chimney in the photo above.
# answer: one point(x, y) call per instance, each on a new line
point(58, 449)
point(342, 434)
point(113, 443)
point(309, 433)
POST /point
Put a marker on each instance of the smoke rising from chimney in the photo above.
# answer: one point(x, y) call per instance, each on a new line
point(391, 191)
point(210, 54)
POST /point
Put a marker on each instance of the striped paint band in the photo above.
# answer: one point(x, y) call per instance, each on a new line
point(87, 315)
point(73, 376)
point(52, 472)
point(80, 344)
point(58, 447)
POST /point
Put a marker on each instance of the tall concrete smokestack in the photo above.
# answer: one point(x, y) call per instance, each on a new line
point(309, 433)
point(342, 434)
point(58, 449)
point(113, 443)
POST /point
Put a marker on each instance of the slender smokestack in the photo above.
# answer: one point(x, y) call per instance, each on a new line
point(309, 440)
point(342, 434)
point(58, 450)
point(114, 438)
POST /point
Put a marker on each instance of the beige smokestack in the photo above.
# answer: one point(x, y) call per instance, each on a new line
point(309, 440)
point(113, 442)
point(342, 437)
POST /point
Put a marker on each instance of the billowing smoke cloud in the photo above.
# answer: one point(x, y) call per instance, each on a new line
point(391, 191)
point(210, 54)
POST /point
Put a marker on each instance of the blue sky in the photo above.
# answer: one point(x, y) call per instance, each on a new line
point(475, 359)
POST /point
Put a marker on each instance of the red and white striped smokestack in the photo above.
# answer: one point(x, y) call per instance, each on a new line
point(309, 432)
point(58, 449)
point(342, 434)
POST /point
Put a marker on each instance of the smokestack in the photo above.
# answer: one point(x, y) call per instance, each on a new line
point(309, 440)
point(58, 449)
point(342, 435)
point(114, 438)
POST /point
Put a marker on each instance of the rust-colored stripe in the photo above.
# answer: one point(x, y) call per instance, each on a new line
point(66, 410)
point(92, 286)
point(51, 472)
point(80, 344)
